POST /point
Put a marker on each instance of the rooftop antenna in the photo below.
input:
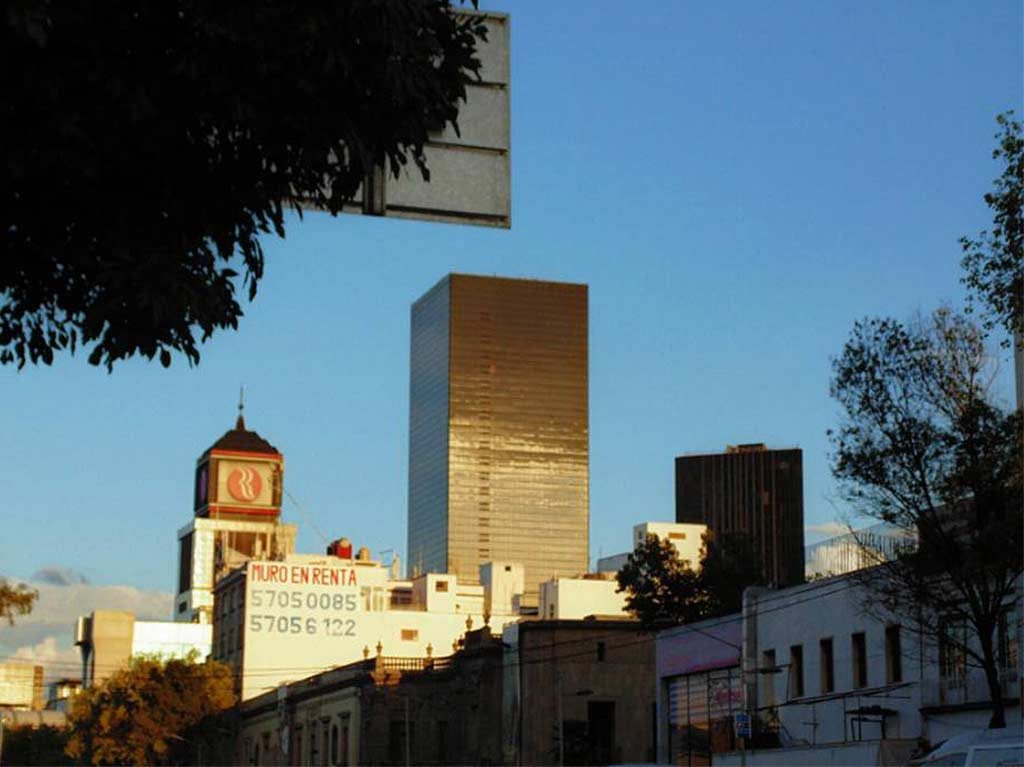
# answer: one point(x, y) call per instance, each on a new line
point(240, 423)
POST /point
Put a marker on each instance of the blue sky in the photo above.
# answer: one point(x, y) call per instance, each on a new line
point(737, 183)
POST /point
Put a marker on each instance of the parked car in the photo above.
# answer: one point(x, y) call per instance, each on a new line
point(1003, 747)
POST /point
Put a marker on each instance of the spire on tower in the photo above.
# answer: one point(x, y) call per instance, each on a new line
point(240, 422)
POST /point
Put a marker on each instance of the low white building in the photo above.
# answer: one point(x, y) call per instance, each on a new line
point(277, 622)
point(109, 639)
point(827, 681)
point(688, 538)
point(832, 671)
point(574, 598)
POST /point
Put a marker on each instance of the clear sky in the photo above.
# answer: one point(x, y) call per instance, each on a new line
point(736, 182)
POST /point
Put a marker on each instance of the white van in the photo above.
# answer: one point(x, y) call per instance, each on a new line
point(1003, 747)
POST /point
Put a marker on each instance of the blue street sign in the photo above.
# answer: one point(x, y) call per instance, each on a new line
point(741, 721)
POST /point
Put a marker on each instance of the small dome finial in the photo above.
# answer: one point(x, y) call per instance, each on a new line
point(240, 422)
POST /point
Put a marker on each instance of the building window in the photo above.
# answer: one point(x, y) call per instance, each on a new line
point(859, 656)
point(677, 536)
point(796, 671)
point(600, 652)
point(410, 635)
point(1006, 645)
point(397, 741)
point(827, 661)
point(185, 564)
point(344, 740)
point(768, 668)
point(893, 655)
point(952, 640)
point(440, 586)
point(442, 742)
point(334, 744)
point(313, 751)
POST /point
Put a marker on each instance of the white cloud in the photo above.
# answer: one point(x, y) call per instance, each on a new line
point(58, 661)
point(827, 529)
point(46, 635)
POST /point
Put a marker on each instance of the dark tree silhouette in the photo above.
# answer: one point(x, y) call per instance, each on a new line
point(663, 591)
point(994, 262)
point(148, 145)
point(924, 446)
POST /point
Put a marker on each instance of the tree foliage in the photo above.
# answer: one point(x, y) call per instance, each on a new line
point(994, 262)
point(923, 446)
point(663, 590)
point(15, 599)
point(153, 712)
point(148, 147)
point(42, 745)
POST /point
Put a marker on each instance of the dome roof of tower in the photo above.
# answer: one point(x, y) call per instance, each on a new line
point(242, 440)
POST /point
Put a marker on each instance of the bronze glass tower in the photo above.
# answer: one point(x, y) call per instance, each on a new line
point(498, 428)
point(752, 490)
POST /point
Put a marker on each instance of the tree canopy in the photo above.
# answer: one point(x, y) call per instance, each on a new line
point(15, 599)
point(663, 590)
point(924, 446)
point(993, 263)
point(153, 712)
point(148, 147)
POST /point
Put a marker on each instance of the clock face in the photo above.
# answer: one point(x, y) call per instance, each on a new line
point(245, 484)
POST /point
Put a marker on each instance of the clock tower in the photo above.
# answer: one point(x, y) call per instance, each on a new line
point(239, 477)
point(239, 480)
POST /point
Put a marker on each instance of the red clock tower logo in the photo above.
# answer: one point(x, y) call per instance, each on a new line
point(245, 484)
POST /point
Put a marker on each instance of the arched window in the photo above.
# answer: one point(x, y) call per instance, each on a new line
point(334, 744)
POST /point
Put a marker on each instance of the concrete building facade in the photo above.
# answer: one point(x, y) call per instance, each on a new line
point(542, 692)
point(109, 639)
point(578, 692)
point(499, 428)
point(21, 686)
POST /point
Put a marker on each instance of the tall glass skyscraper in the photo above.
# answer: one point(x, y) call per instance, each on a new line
point(499, 428)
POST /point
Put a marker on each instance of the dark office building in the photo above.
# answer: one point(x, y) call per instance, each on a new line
point(498, 428)
point(752, 490)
